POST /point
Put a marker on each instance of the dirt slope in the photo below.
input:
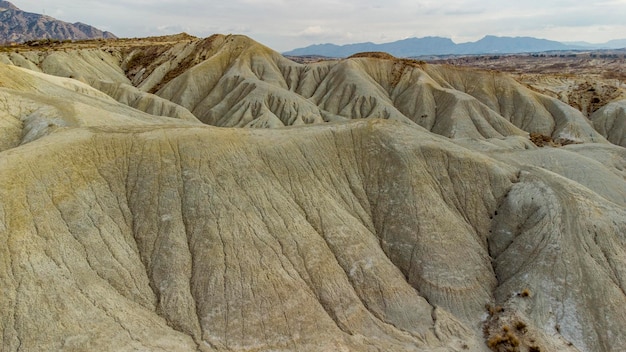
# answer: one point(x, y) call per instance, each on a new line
point(409, 211)
point(234, 81)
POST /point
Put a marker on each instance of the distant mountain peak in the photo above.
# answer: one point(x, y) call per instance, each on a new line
point(428, 46)
point(21, 26)
point(5, 5)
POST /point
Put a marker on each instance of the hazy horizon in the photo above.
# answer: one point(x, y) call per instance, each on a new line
point(286, 25)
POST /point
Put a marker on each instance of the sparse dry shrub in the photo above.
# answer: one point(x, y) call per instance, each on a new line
point(565, 141)
point(504, 342)
point(136, 59)
point(495, 341)
point(508, 337)
point(512, 339)
point(540, 140)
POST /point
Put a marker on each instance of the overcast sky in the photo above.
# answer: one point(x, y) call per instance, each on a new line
point(284, 25)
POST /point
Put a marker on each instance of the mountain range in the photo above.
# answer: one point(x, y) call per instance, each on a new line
point(414, 47)
point(18, 26)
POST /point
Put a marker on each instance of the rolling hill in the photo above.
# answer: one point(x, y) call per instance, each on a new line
point(208, 194)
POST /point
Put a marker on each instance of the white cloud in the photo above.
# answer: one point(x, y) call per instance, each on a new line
point(286, 24)
point(312, 31)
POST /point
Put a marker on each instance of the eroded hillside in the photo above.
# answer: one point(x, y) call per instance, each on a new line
point(586, 80)
point(405, 207)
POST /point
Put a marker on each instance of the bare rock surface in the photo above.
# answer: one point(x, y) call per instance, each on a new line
point(19, 26)
point(404, 208)
point(610, 121)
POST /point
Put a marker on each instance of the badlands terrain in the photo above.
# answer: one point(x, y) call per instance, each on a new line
point(186, 194)
point(586, 80)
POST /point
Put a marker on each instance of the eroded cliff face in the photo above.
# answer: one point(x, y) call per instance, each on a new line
point(126, 223)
